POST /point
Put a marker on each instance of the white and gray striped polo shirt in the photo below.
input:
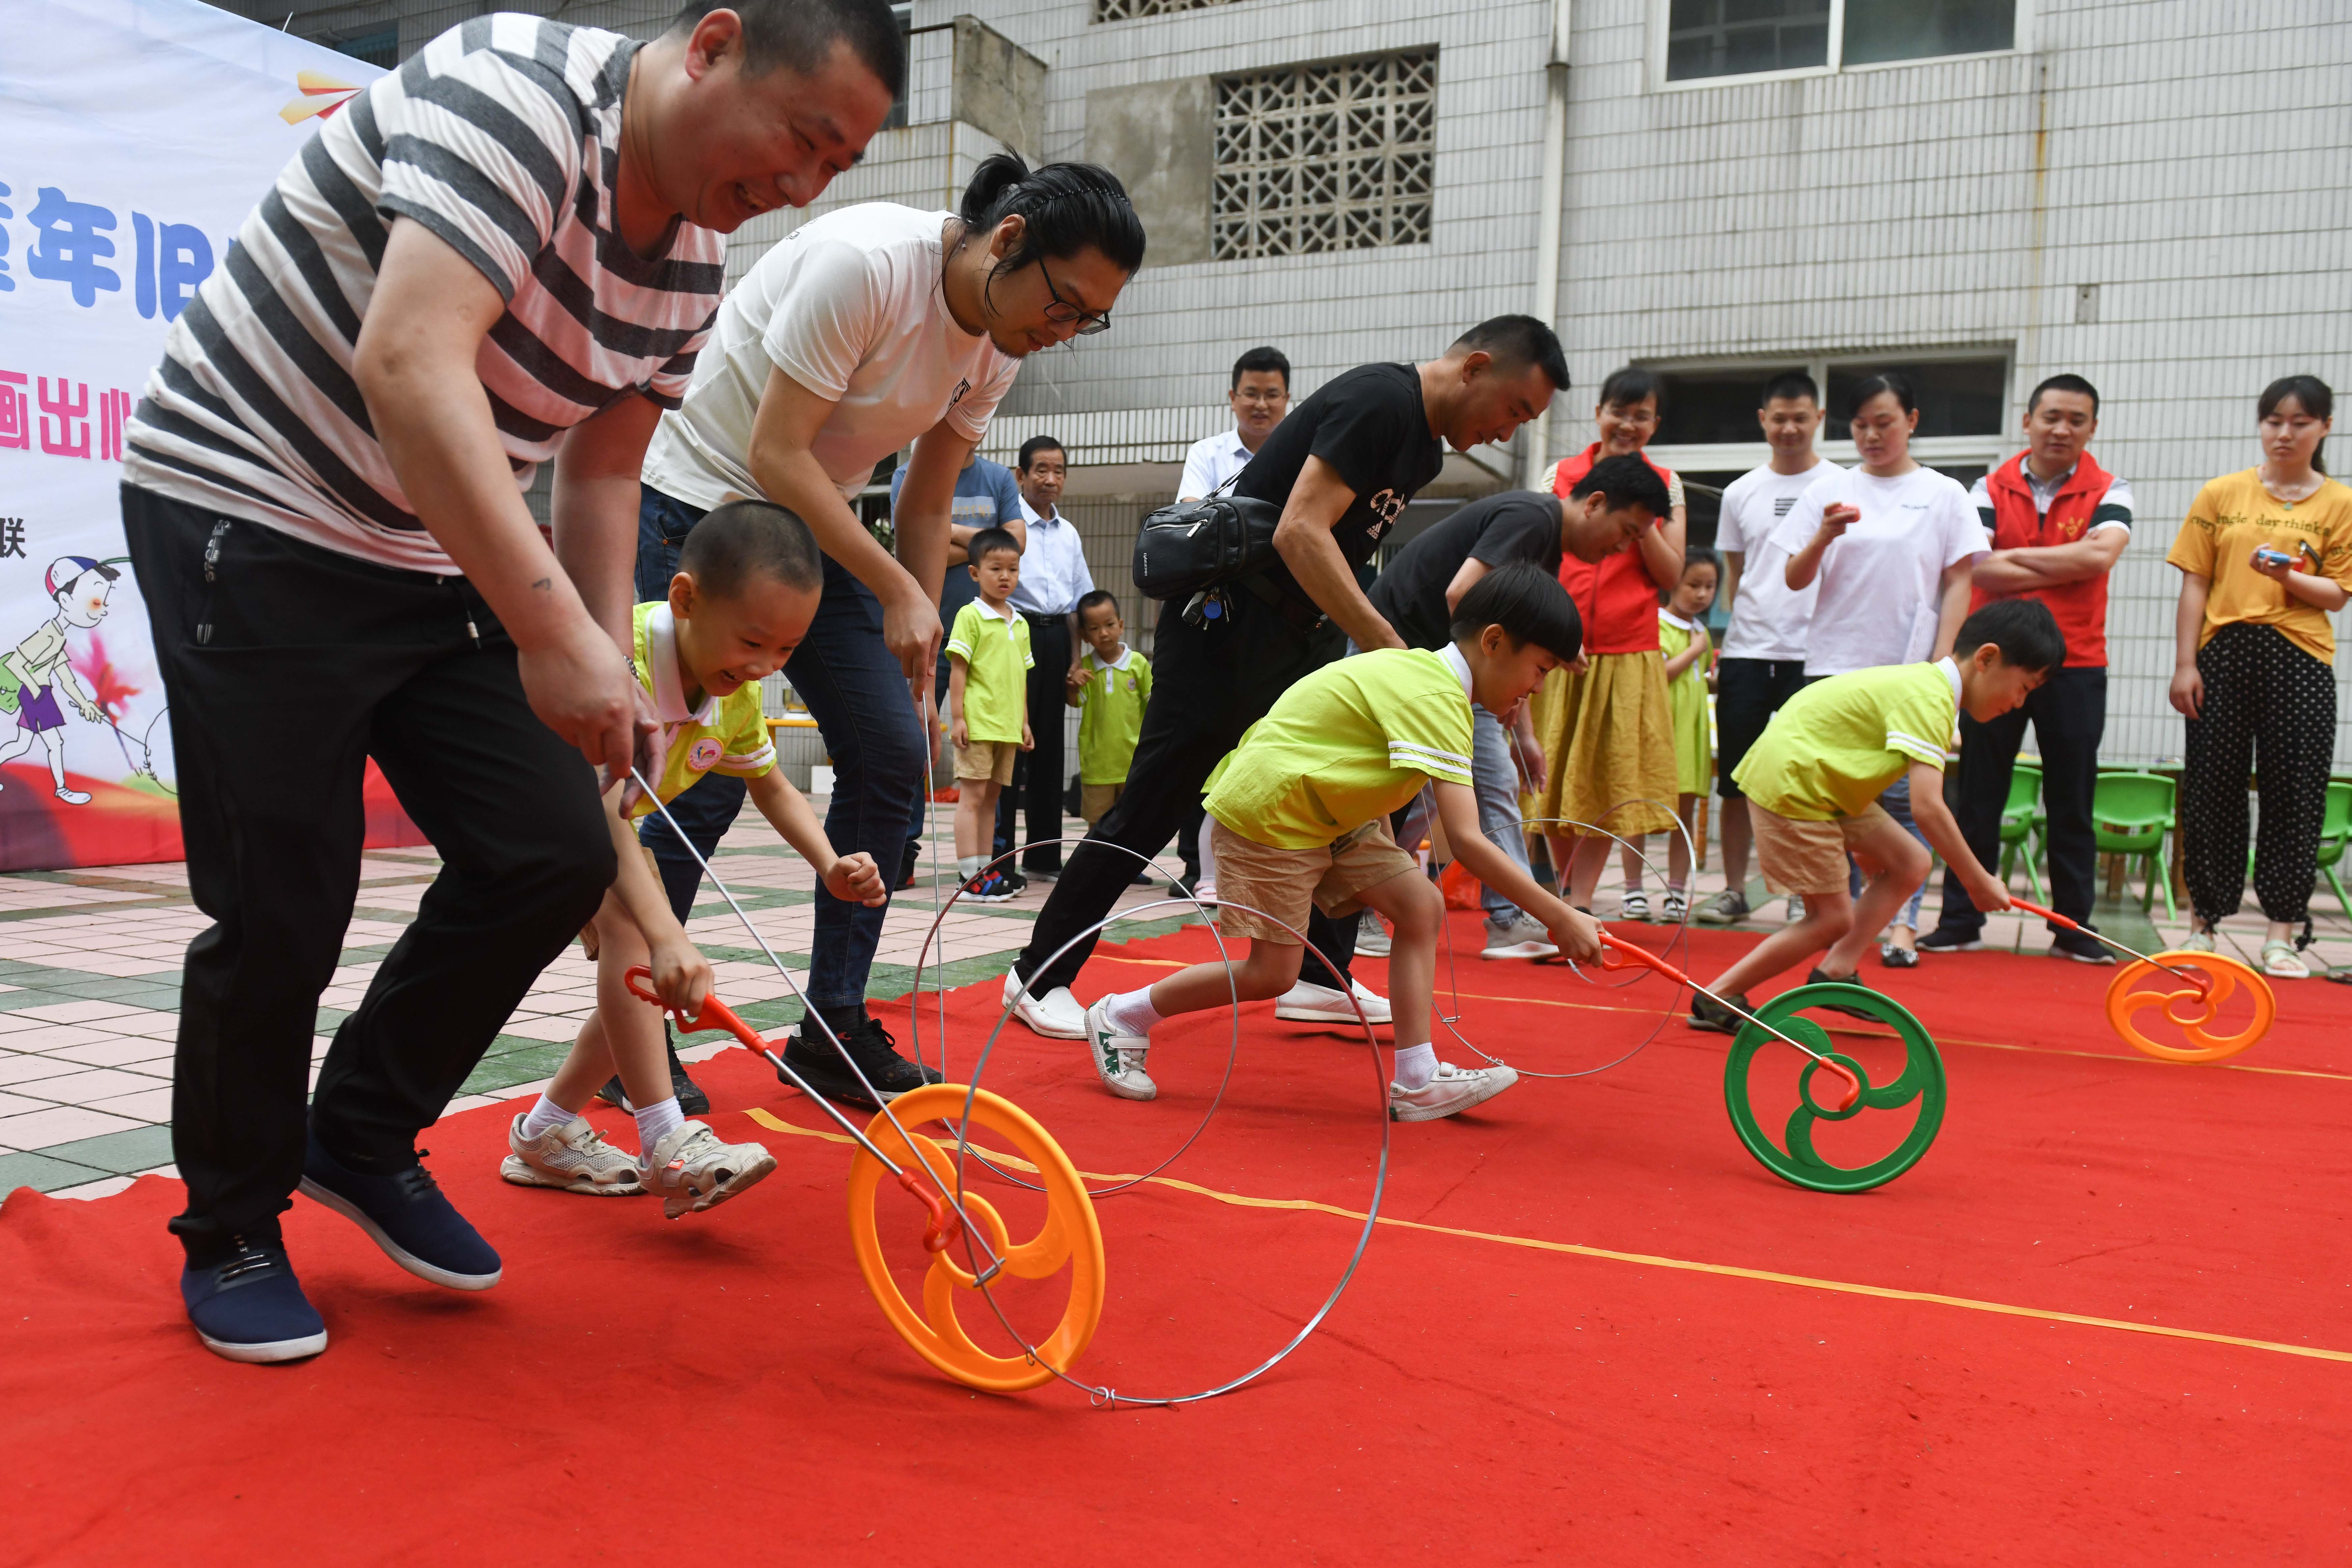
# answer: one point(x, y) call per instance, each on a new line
point(502, 136)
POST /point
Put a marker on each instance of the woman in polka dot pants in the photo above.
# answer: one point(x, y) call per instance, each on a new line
point(2265, 557)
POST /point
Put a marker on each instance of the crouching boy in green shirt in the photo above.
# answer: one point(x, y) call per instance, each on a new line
point(747, 584)
point(1300, 814)
point(1813, 784)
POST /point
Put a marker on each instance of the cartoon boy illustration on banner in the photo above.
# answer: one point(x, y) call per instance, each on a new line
point(31, 676)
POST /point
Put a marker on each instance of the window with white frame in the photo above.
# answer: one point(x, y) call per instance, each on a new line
point(1711, 38)
point(1338, 156)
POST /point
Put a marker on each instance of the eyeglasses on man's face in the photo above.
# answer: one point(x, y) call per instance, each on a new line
point(1063, 311)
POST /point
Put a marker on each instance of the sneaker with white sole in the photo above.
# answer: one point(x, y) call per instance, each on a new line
point(1524, 937)
point(692, 1170)
point(572, 1158)
point(1371, 935)
point(1634, 905)
point(1056, 1014)
point(1726, 908)
point(1118, 1058)
point(1309, 1004)
point(1453, 1091)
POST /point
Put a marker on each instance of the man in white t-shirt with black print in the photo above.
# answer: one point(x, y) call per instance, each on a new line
point(1763, 658)
point(859, 332)
point(507, 252)
point(1259, 397)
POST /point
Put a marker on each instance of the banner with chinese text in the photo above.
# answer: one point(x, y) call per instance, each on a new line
point(134, 137)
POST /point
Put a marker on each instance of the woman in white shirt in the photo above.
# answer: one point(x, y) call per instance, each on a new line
point(859, 332)
point(1891, 545)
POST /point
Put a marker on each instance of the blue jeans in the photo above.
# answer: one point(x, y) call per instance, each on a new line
point(858, 696)
point(1497, 785)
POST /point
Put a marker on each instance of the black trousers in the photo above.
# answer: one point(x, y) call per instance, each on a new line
point(2069, 714)
point(2270, 709)
point(1040, 775)
point(287, 666)
point(1209, 683)
point(1747, 692)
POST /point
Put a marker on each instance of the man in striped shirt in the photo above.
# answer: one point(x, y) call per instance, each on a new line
point(505, 252)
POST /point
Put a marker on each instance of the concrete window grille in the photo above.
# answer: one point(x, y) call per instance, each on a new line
point(1338, 157)
point(1122, 10)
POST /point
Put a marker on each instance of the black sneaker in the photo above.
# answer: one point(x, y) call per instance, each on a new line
point(874, 1050)
point(404, 1214)
point(907, 865)
point(1706, 1013)
point(250, 1307)
point(691, 1100)
point(1818, 978)
point(1944, 939)
point(2080, 946)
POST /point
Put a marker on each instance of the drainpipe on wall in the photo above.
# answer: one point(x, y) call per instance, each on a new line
point(1536, 452)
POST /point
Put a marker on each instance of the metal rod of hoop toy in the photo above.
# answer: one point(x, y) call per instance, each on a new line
point(811, 1015)
point(2203, 983)
point(1644, 957)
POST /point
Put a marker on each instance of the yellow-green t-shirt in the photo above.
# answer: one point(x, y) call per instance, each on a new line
point(2233, 514)
point(1352, 741)
point(996, 659)
point(1834, 745)
point(1111, 715)
point(726, 734)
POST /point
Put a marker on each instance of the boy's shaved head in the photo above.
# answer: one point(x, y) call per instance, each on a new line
point(746, 538)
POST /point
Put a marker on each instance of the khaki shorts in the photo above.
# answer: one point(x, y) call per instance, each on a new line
point(1095, 801)
point(987, 760)
point(1808, 858)
point(1285, 882)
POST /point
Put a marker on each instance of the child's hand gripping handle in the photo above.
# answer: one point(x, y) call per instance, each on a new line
point(944, 1225)
point(1618, 953)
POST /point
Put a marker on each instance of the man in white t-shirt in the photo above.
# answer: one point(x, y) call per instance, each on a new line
point(869, 328)
point(1259, 398)
point(1763, 658)
point(1054, 578)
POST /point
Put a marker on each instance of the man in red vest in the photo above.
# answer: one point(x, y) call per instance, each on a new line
point(2058, 524)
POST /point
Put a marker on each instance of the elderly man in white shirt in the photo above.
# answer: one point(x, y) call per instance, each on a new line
point(1054, 578)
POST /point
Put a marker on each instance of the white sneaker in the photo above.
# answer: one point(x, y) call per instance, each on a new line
point(1636, 905)
point(1525, 937)
point(1306, 1004)
point(572, 1158)
point(693, 1171)
point(1118, 1058)
point(1056, 1014)
point(1371, 936)
point(1796, 908)
point(1453, 1090)
point(1675, 907)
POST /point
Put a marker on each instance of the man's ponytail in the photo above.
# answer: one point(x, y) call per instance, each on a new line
point(1064, 207)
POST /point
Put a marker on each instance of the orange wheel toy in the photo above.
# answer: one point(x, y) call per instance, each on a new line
point(1069, 1235)
point(2191, 1010)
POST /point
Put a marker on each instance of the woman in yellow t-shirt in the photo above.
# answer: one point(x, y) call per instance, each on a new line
point(2265, 558)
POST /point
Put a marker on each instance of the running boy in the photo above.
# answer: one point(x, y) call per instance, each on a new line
point(746, 588)
point(1813, 784)
point(1108, 687)
point(988, 706)
point(1299, 818)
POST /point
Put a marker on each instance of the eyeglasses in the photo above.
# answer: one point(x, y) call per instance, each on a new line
point(1062, 310)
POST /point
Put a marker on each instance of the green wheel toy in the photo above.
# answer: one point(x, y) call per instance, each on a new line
point(1921, 1080)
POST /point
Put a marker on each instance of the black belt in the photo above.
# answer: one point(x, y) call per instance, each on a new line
point(1036, 620)
point(1298, 612)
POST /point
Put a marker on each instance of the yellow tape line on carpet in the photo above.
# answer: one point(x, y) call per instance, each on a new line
point(1728, 1271)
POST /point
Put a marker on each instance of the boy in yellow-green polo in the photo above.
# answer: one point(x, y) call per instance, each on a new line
point(988, 706)
point(1300, 814)
point(1813, 784)
point(1110, 688)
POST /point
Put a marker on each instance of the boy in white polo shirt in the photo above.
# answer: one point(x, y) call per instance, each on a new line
point(1300, 815)
point(1814, 778)
point(988, 707)
point(745, 592)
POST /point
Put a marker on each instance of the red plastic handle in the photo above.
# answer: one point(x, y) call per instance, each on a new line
point(2052, 916)
point(1618, 953)
point(714, 1012)
point(2197, 979)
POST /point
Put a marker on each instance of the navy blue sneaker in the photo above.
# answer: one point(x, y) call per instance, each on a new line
point(405, 1214)
point(250, 1307)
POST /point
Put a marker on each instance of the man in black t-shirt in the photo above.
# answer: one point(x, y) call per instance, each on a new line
point(1342, 466)
point(1606, 510)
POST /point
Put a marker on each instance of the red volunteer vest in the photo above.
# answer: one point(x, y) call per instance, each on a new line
point(1617, 598)
point(2080, 608)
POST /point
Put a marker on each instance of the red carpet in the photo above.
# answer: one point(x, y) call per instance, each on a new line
point(636, 1388)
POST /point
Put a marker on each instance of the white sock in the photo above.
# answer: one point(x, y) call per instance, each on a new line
point(968, 867)
point(544, 1118)
point(1415, 1065)
point(655, 1122)
point(1132, 1012)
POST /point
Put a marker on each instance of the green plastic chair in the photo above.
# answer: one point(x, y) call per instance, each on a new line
point(2333, 832)
point(2020, 824)
point(2131, 813)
